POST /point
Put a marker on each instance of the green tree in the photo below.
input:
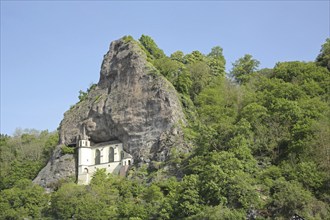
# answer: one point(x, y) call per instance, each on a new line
point(194, 57)
point(323, 59)
point(151, 47)
point(218, 103)
point(23, 155)
point(216, 61)
point(189, 201)
point(225, 179)
point(321, 144)
point(178, 56)
point(79, 202)
point(82, 95)
point(244, 67)
point(176, 73)
point(200, 77)
point(219, 212)
point(289, 198)
point(312, 80)
point(24, 201)
point(306, 173)
point(297, 72)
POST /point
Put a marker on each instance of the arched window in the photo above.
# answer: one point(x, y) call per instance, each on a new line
point(97, 156)
point(86, 170)
point(129, 162)
point(121, 155)
point(111, 154)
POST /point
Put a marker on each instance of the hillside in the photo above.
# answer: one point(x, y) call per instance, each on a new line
point(249, 143)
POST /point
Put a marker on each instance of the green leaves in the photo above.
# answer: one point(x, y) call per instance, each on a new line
point(99, 201)
point(176, 73)
point(24, 200)
point(216, 61)
point(151, 47)
point(272, 118)
point(289, 198)
point(200, 76)
point(189, 198)
point(23, 156)
point(323, 59)
point(244, 67)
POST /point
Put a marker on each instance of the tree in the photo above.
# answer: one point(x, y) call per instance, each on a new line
point(24, 201)
point(200, 77)
point(176, 73)
point(178, 56)
point(149, 44)
point(218, 103)
point(297, 72)
point(244, 67)
point(311, 79)
point(323, 59)
point(72, 201)
point(24, 155)
point(219, 212)
point(193, 57)
point(225, 179)
point(189, 200)
point(289, 198)
point(216, 61)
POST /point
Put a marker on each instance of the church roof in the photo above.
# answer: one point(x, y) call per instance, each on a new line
point(103, 144)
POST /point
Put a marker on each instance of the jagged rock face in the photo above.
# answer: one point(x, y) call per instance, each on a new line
point(131, 103)
point(59, 167)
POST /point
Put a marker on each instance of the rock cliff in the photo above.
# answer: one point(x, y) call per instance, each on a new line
point(59, 167)
point(132, 103)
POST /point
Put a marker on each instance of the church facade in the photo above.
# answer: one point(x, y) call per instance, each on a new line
point(107, 155)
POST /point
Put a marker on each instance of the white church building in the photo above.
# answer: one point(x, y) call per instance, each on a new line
point(107, 155)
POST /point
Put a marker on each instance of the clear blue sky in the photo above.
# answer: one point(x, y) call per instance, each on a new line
point(52, 49)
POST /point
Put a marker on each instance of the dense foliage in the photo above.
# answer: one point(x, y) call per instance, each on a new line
point(24, 154)
point(261, 149)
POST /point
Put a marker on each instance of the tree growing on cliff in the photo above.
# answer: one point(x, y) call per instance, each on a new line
point(149, 44)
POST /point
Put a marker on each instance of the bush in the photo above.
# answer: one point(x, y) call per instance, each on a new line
point(67, 150)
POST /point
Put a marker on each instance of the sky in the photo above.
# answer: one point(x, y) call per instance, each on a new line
point(52, 49)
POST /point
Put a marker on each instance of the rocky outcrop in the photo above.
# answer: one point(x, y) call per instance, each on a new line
point(132, 103)
point(59, 167)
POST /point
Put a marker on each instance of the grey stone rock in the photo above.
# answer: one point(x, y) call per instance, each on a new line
point(132, 102)
point(59, 167)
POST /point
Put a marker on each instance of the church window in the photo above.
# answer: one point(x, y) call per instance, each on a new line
point(111, 155)
point(97, 156)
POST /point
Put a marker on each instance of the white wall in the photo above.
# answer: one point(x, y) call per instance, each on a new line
point(84, 156)
point(86, 160)
point(84, 177)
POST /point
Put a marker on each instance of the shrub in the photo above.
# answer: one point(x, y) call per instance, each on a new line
point(67, 150)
